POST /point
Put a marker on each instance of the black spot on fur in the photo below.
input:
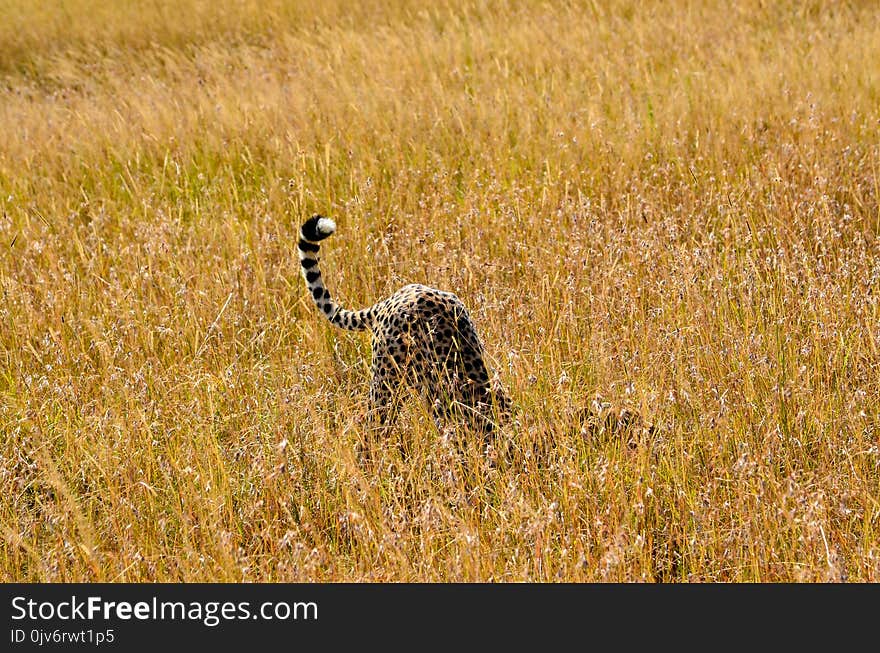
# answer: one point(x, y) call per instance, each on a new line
point(327, 308)
point(308, 263)
point(326, 294)
point(313, 276)
point(307, 246)
point(316, 293)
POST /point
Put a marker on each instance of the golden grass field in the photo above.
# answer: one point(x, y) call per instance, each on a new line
point(672, 206)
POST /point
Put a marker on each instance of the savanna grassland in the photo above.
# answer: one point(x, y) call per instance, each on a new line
point(671, 207)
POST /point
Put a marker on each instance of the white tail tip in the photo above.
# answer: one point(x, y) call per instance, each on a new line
point(325, 226)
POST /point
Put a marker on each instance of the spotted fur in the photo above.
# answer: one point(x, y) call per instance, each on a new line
point(421, 337)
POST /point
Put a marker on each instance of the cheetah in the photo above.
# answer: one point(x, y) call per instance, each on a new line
point(421, 337)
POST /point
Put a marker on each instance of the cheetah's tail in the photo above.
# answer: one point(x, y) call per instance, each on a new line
point(313, 231)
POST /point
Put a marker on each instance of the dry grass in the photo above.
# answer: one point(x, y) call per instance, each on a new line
point(673, 205)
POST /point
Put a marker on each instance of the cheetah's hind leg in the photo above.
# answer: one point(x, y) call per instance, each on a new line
point(385, 381)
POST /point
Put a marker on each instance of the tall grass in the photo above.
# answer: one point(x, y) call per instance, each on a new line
point(671, 205)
